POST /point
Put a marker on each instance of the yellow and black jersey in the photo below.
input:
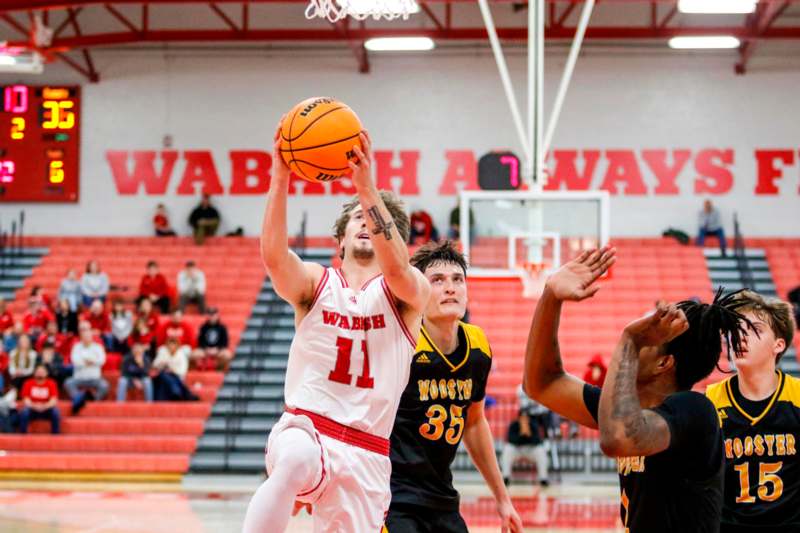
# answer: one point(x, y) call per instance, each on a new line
point(762, 468)
point(431, 417)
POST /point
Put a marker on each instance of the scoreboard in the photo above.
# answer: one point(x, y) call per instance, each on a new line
point(39, 143)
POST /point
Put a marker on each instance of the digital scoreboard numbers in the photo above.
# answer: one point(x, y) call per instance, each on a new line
point(39, 143)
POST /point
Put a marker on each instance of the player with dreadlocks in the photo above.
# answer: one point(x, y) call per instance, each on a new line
point(759, 411)
point(665, 437)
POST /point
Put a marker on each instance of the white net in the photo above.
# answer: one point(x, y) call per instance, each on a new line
point(336, 10)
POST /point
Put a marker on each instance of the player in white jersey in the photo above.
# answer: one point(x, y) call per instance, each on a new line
point(356, 330)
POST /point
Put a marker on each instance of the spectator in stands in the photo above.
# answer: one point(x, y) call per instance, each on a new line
point(121, 327)
point(54, 361)
point(66, 318)
point(422, 229)
point(204, 220)
point(40, 399)
point(21, 361)
point(212, 344)
point(710, 223)
point(70, 290)
point(794, 299)
point(6, 319)
point(192, 287)
point(176, 327)
point(455, 224)
point(8, 410)
point(172, 364)
point(527, 437)
point(11, 337)
point(161, 222)
point(94, 284)
point(142, 334)
point(100, 322)
point(154, 287)
point(88, 358)
point(595, 371)
point(37, 317)
point(135, 372)
point(51, 335)
point(38, 293)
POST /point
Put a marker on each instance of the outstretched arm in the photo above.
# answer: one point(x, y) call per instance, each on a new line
point(406, 282)
point(625, 428)
point(293, 280)
point(545, 379)
point(480, 446)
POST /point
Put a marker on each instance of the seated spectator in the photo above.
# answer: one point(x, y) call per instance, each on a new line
point(794, 299)
point(38, 293)
point(70, 290)
point(204, 220)
point(161, 222)
point(8, 410)
point(21, 361)
point(154, 287)
point(37, 317)
point(455, 224)
point(135, 372)
point(88, 358)
point(39, 400)
point(54, 361)
point(527, 436)
point(121, 327)
point(98, 319)
point(66, 318)
point(176, 327)
point(172, 364)
point(11, 337)
point(212, 344)
point(51, 335)
point(94, 284)
point(142, 334)
point(148, 313)
point(595, 371)
point(192, 287)
point(422, 229)
point(710, 223)
point(6, 319)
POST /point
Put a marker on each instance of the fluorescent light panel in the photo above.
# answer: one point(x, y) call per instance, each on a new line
point(399, 44)
point(717, 6)
point(704, 42)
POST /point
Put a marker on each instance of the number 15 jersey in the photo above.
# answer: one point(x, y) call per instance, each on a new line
point(350, 357)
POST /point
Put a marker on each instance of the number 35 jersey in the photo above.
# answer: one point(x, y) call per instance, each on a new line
point(350, 356)
point(762, 468)
point(432, 415)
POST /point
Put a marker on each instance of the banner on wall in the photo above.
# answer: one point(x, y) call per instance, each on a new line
point(623, 172)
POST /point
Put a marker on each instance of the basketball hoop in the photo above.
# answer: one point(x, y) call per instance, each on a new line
point(336, 10)
point(534, 277)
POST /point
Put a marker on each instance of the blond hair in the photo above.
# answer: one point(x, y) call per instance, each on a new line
point(774, 311)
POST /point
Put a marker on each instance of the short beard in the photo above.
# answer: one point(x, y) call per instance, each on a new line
point(361, 254)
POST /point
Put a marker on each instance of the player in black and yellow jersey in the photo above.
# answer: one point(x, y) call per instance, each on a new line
point(759, 411)
point(443, 404)
point(665, 437)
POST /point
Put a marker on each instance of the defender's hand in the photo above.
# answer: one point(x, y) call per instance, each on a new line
point(510, 520)
point(574, 281)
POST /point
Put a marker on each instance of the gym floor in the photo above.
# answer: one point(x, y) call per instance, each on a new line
point(217, 504)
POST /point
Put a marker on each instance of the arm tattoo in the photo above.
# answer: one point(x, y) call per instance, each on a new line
point(625, 399)
point(381, 225)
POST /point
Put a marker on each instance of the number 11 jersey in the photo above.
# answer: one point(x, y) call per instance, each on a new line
point(350, 357)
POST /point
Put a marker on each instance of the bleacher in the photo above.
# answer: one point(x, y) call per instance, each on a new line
point(135, 437)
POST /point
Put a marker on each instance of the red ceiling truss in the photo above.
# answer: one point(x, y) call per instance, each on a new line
point(73, 42)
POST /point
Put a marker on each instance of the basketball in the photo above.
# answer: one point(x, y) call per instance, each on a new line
point(317, 138)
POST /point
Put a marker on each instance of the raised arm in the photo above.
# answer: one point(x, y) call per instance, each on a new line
point(293, 279)
point(544, 379)
point(625, 428)
point(406, 282)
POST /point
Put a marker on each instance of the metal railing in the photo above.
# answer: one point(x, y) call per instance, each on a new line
point(739, 252)
point(11, 242)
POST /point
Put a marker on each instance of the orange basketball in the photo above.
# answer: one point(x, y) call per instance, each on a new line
point(317, 139)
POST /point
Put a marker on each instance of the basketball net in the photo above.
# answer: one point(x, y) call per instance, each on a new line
point(534, 277)
point(336, 10)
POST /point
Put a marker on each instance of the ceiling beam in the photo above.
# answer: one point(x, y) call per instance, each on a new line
point(120, 17)
point(758, 23)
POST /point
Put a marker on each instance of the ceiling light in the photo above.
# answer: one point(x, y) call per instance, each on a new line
point(717, 6)
point(365, 7)
point(399, 44)
point(704, 42)
point(20, 60)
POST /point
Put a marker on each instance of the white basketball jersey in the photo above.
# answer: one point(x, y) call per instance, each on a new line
point(351, 355)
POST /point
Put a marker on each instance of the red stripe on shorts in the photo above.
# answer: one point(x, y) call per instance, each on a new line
point(346, 434)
